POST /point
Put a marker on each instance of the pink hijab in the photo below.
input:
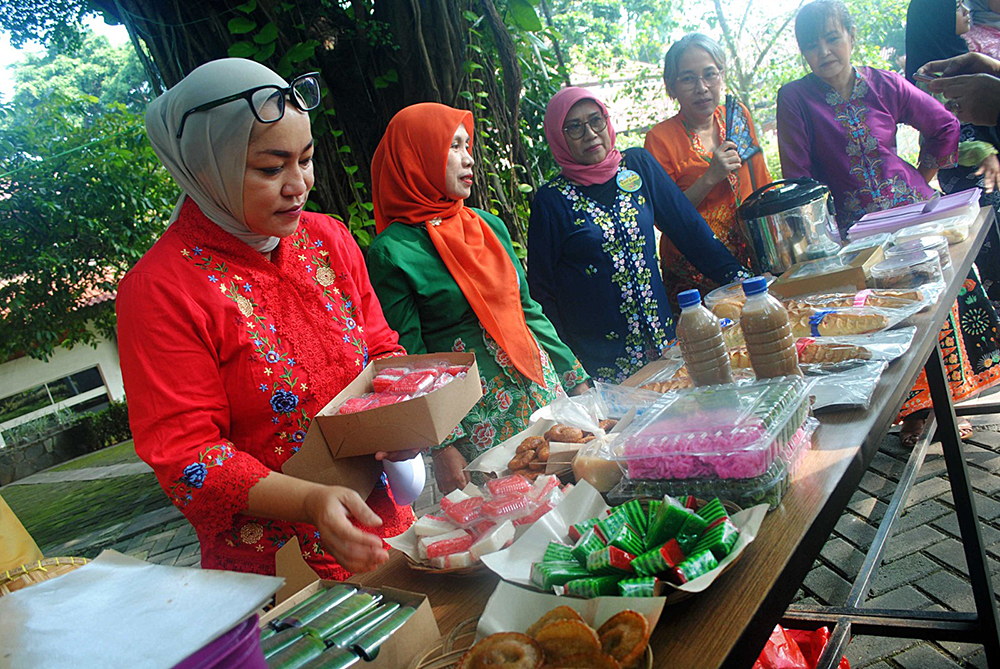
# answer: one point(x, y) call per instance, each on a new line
point(555, 116)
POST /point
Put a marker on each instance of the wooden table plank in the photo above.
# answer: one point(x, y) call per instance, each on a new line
point(728, 624)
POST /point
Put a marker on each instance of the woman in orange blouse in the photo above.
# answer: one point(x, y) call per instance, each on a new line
point(694, 149)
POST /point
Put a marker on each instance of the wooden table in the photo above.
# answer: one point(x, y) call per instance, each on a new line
point(729, 623)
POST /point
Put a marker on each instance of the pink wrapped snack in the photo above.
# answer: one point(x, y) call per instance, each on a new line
point(457, 370)
point(507, 507)
point(539, 511)
point(481, 527)
point(356, 404)
point(544, 485)
point(385, 379)
point(415, 383)
point(441, 381)
point(444, 544)
point(454, 497)
point(453, 561)
point(430, 526)
point(466, 512)
point(508, 484)
point(494, 540)
point(385, 399)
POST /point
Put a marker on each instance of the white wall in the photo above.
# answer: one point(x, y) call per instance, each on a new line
point(24, 373)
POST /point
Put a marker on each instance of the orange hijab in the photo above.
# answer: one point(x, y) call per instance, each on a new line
point(408, 180)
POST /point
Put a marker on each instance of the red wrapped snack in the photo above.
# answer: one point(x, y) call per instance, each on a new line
point(385, 379)
point(466, 512)
point(539, 511)
point(356, 404)
point(507, 507)
point(456, 370)
point(445, 544)
point(508, 484)
point(415, 383)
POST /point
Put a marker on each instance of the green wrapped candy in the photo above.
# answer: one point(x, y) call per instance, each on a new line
point(607, 527)
point(356, 606)
point(690, 532)
point(712, 511)
point(651, 511)
point(642, 586)
point(547, 574)
point(595, 586)
point(588, 543)
point(347, 635)
point(697, 565)
point(557, 552)
point(626, 539)
point(720, 539)
point(610, 560)
point(637, 518)
point(577, 530)
point(659, 560)
point(306, 647)
point(669, 518)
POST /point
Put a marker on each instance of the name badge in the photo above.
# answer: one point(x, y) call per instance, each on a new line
point(629, 181)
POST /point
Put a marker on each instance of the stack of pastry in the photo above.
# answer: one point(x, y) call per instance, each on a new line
point(532, 454)
point(811, 352)
point(561, 638)
point(812, 323)
point(884, 298)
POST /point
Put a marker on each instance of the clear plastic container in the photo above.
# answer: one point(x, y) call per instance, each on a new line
point(910, 270)
point(731, 291)
point(882, 239)
point(954, 229)
point(715, 432)
point(936, 243)
point(768, 488)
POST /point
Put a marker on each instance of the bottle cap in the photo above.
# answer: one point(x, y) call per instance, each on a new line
point(754, 286)
point(688, 298)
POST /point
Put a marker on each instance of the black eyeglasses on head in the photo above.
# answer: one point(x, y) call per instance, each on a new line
point(268, 102)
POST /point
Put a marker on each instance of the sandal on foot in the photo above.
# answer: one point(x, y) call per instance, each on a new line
point(909, 433)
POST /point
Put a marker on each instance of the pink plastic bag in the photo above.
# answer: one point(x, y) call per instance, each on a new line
point(795, 649)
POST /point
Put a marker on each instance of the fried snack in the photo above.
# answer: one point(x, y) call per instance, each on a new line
point(592, 660)
point(624, 636)
point(558, 613)
point(537, 465)
point(504, 650)
point(521, 460)
point(834, 323)
point(531, 444)
point(879, 297)
point(607, 424)
point(565, 434)
point(542, 454)
point(730, 308)
point(813, 353)
point(563, 638)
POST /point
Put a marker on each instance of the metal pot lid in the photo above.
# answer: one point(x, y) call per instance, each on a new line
point(781, 196)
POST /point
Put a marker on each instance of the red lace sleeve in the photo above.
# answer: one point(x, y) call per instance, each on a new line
point(178, 409)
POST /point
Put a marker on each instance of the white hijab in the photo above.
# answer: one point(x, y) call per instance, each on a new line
point(209, 159)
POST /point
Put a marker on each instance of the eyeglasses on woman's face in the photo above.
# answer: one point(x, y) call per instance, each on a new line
point(268, 102)
point(576, 129)
point(689, 80)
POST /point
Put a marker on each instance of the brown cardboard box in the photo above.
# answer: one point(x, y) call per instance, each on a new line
point(337, 448)
point(399, 649)
point(842, 272)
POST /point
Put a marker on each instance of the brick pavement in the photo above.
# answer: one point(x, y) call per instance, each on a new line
point(924, 566)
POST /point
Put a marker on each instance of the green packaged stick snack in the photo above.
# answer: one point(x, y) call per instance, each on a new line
point(347, 635)
point(368, 644)
point(279, 641)
point(322, 601)
point(333, 658)
point(305, 648)
point(356, 606)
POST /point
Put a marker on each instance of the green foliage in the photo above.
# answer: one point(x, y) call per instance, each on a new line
point(51, 22)
point(81, 204)
point(96, 69)
point(100, 429)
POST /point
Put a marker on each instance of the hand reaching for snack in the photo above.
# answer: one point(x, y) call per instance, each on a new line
point(449, 470)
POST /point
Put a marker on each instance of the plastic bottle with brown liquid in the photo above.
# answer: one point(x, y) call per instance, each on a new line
point(768, 335)
point(699, 335)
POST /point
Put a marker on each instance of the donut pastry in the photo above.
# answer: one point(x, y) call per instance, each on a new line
point(565, 434)
point(504, 650)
